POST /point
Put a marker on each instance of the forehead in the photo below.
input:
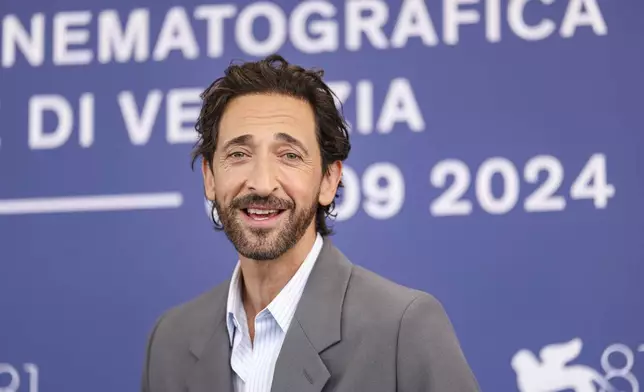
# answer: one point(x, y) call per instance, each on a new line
point(263, 115)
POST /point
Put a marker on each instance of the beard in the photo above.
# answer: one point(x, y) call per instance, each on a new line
point(269, 243)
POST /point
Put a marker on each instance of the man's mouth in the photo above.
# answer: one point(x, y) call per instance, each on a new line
point(258, 214)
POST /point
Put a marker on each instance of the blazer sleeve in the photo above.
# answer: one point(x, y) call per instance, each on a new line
point(145, 374)
point(429, 356)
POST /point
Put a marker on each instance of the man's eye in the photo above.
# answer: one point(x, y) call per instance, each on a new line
point(291, 156)
point(237, 155)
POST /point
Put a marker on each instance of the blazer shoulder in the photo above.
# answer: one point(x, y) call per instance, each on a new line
point(184, 320)
point(373, 291)
point(370, 280)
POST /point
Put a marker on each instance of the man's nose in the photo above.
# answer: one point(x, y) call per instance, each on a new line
point(262, 178)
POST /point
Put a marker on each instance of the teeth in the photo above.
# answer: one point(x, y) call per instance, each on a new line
point(261, 212)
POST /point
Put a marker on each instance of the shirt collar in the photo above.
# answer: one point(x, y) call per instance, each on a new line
point(234, 306)
point(283, 306)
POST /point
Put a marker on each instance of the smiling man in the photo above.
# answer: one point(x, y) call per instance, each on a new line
point(296, 314)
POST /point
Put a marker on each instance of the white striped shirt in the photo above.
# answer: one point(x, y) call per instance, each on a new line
point(253, 363)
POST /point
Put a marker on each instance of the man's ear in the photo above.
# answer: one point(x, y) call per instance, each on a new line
point(330, 181)
point(208, 180)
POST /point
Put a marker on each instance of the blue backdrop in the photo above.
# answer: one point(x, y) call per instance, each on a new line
point(496, 163)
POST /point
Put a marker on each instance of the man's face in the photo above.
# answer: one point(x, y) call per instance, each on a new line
point(266, 177)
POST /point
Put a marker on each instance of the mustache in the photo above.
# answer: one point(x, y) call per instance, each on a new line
point(271, 202)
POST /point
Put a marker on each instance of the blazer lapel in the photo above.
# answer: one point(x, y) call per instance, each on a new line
point(316, 325)
point(211, 348)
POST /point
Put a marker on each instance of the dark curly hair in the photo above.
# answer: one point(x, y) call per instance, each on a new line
point(274, 74)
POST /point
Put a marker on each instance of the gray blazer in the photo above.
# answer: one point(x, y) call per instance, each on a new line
point(352, 331)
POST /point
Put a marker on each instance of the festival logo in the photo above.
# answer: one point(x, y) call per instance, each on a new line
point(553, 370)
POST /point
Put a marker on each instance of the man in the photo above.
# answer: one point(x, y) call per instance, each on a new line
point(296, 315)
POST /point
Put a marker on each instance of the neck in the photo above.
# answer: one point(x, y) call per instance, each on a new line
point(263, 280)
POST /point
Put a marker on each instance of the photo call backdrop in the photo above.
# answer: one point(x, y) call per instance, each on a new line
point(496, 163)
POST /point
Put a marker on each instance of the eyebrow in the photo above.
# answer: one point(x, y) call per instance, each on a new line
point(238, 141)
point(246, 139)
point(285, 137)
